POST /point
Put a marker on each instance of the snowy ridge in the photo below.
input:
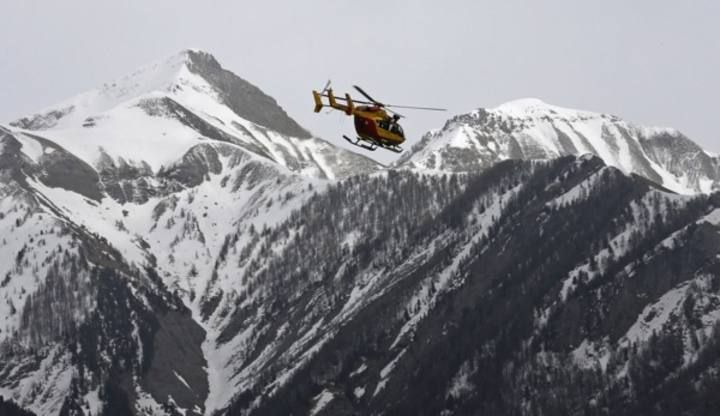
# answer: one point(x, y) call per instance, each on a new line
point(161, 76)
point(532, 129)
point(533, 108)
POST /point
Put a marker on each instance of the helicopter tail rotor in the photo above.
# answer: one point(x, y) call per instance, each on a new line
point(326, 87)
point(347, 108)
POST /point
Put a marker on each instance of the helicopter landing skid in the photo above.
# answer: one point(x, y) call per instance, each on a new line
point(360, 142)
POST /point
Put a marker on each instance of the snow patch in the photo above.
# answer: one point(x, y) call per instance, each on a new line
point(460, 384)
point(359, 370)
point(653, 317)
point(359, 392)
point(321, 401)
point(590, 354)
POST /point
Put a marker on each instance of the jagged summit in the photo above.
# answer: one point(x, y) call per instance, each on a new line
point(532, 129)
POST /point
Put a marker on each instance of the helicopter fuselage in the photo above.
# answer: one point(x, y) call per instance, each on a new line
point(374, 123)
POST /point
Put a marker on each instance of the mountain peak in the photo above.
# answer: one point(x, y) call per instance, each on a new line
point(185, 58)
point(535, 107)
point(529, 128)
point(190, 71)
point(523, 103)
point(192, 57)
point(154, 115)
point(160, 76)
point(242, 97)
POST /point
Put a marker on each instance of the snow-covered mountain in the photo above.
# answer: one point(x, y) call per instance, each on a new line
point(532, 129)
point(149, 119)
point(143, 179)
point(173, 243)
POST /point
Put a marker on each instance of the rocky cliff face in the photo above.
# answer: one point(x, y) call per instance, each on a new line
point(683, 159)
point(165, 250)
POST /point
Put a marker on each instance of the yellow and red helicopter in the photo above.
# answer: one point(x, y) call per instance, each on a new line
point(374, 125)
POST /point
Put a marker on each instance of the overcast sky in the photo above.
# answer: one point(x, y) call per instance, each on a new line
point(650, 61)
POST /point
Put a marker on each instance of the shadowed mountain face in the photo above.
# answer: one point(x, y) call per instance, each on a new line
point(681, 157)
point(533, 288)
point(53, 165)
point(245, 99)
point(173, 243)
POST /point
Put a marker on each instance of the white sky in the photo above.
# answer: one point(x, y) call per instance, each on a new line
point(653, 62)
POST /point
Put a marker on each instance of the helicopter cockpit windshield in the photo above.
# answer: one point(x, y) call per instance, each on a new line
point(395, 128)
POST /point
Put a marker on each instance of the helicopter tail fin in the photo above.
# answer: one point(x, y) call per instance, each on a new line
point(318, 101)
point(350, 106)
point(331, 99)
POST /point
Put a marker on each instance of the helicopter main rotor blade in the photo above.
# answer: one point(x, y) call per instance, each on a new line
point(394, 112)
point(412, 107)
point(345, 99)
point(361, 91)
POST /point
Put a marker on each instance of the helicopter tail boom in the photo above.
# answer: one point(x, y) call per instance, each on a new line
point(346, 108)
